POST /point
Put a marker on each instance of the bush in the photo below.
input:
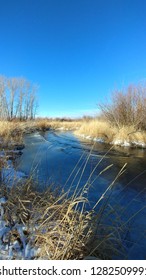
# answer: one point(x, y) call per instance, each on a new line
point(127, 107)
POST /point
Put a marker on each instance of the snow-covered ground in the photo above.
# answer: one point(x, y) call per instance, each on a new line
point(125, 143)
point(11, 247)
point(16, 241)
point(10, 176)
point(88, 137)
point(117, 142)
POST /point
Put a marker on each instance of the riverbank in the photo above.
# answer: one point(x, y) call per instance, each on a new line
point(11, 133)
point(43, 225)
point(102, 131)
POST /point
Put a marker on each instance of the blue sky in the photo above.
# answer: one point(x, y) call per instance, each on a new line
point(77, 51)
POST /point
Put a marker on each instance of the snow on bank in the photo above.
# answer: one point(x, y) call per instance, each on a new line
point(16, 240)
point(139, 144)
point(125, 143)
point(120, 143)
point(116, 142)
point(62, 128)
point(10, 176)
point(15, 248)
point(88, 137)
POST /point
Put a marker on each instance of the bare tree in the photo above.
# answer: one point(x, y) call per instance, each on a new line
point(17, 98)
point(30, 106)
point(12, 84)
point(20, 99)
point(4, 112)
point(33, 103)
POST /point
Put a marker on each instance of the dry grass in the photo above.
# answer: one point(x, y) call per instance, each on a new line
point(94, 128)
point(44, 124)
point(98, 129)
point(13, 131)
point(127, 135)
point(8, 129)
point(61, 232)
point(62, 228)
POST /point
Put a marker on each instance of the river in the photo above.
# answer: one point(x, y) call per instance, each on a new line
point(62, 159)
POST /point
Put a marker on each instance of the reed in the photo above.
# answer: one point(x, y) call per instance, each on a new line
point(58, 223)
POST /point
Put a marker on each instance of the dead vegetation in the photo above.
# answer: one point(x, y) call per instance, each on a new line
point(122, 120)
point(57, 224)
point(97, 129)
point(126, 107)
point(60, 231)
point(13, 131)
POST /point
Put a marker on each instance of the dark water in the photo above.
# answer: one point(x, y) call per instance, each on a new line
point(52, 157)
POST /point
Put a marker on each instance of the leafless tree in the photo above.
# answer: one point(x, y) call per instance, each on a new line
point(4, 111)
point(17, 98)
point(12, 85)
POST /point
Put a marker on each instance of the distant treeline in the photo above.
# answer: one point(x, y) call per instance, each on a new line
point(17, 99)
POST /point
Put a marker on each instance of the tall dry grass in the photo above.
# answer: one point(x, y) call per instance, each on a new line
point(58, 223)
point(59, 230)
point(13, 131)
point(44, 124)
point(102, 130)
point(10, 131)
point(97, 129)
point(128, 134)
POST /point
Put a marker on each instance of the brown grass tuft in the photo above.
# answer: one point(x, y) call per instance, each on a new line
point(97, 129)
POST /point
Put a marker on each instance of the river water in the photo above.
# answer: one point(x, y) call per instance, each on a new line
point(66, 161)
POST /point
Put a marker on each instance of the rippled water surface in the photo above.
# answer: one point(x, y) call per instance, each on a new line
point(53, 156)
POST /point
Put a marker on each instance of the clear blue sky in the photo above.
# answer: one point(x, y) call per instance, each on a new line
point(78, 51)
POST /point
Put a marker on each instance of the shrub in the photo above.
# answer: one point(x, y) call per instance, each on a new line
point(127, 107)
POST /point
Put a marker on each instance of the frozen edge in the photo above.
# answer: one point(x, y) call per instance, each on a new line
point(116, 142)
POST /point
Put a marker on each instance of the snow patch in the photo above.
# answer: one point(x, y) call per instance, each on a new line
point(62, 128)
point(139, 144)
point(120, 143)
point(20, 248)
point(88, 137)
point(10, 176)
point(125, 143)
